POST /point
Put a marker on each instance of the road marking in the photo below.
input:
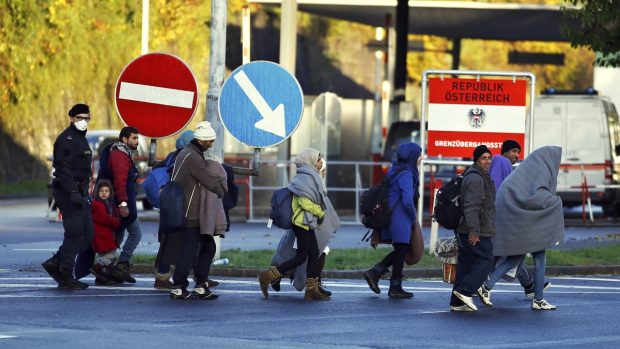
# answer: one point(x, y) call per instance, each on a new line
point(156, 95)
point(2, 336)
point(35, 249)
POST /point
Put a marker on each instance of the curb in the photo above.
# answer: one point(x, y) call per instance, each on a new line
point(414, 273)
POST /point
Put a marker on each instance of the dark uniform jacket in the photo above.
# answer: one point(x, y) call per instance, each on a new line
point(72, 161)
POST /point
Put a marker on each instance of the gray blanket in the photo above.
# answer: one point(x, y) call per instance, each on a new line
point(307, 183)
point(529, 215)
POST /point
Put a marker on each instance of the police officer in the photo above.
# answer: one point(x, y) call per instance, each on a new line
point(72, 172)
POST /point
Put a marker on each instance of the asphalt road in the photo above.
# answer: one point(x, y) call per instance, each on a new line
point(37, 315)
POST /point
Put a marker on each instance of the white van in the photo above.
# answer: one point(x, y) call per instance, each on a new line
point(586, 127)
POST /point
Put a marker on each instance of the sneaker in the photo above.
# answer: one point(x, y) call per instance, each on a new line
point(69, 283)
point(465, 299)
point(212, 283)
point(529, 290)
point(542, 305)
point(52, 267)
point(461, 308)
point(179, 293)
point(202, 292)
point(485, 295)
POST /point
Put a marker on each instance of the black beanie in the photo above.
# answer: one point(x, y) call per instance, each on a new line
point(481, 149)
point(79, 109)
point(510, 145)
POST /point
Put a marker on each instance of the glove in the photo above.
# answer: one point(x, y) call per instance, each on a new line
point(76, 199)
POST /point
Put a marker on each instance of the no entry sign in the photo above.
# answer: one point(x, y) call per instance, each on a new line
point(158, 94)
point(464, 113)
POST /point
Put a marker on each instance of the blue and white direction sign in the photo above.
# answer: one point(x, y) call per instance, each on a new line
point(261, 104)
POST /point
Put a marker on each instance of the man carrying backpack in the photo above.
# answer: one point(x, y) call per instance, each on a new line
point(402, 188)
point(474, 233)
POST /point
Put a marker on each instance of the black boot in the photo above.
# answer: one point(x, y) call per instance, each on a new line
point(121, 273)
point(372, 277)
point(396, 290)
point(321, 289)
point(52, 267)
point(68, 282)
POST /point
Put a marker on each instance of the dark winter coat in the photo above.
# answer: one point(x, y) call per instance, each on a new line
point(478, 195)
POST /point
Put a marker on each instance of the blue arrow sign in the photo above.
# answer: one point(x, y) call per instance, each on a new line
point(261, 104)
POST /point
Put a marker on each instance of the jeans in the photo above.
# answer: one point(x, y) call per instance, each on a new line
point(475, 262)
point(134, 235)
point(194, 246)
point(505, 264)
point(539, 274)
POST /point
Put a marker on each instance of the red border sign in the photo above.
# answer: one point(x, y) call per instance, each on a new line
point(464, 113)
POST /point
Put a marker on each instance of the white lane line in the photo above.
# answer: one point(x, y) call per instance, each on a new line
point(2, 336)
point(584, 278)
point(156, 95)
point(35, 249)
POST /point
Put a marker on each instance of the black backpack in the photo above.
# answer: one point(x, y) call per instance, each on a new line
point(376, 213)
point(172, 210)
point(448, 210)
point(282, 208)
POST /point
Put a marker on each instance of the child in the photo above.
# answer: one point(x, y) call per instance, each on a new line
point(106, 220)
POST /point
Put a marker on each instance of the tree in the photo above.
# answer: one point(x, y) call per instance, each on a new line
point(595, 24)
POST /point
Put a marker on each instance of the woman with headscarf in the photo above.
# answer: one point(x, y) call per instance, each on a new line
point(529, 215)
point(403, 188)
point(312, 214)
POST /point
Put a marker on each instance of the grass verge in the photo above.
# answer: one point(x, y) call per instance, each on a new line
point(363, 258)
point(24, 187)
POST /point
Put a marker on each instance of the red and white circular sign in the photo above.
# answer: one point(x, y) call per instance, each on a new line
point(156, 93)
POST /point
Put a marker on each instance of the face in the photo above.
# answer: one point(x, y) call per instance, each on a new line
point(206, 144)
point(132, 141)
point(319, 163)
point(80, 117)
point(419, 160)
point(484, 161)
point(104, 193)
point(512, 155)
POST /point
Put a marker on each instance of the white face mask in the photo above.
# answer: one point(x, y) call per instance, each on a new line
point(81, 125)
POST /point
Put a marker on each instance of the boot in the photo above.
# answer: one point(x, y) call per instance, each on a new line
point(68, 282)
point(162, 281)
point(267, 277)
point(312, 290)
point(212, 283)
point(121, 273)
point(102, 276)
point(321, 289)
point(396, 290)
point(372, 277)
point(52, 267)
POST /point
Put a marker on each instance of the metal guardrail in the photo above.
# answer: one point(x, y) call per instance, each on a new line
point(283, 165)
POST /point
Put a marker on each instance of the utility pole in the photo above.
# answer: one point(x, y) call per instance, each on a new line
point(217, 67)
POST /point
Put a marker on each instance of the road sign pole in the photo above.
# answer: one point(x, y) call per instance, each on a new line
point(217, 61)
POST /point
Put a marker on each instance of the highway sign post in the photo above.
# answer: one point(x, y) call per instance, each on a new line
point(261, 104)
point(158, 94)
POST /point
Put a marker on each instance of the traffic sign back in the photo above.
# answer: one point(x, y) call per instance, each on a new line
point(261, 104)
point(158, 94)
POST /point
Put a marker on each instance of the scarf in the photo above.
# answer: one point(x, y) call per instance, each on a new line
point(122, 147)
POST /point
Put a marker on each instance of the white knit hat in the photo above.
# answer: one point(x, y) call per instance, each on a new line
point(204, 131)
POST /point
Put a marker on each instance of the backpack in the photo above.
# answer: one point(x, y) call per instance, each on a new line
point(447, 211)
point(376, 213)
point(157, 178)
point(282, 208)
point(172, 212)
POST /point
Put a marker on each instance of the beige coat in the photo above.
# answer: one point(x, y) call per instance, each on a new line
point(212, 216)
point(191, 173)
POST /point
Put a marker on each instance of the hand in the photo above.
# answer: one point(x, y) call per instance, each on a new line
point(76, 199)
point(124, 211)
point(473, 239)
